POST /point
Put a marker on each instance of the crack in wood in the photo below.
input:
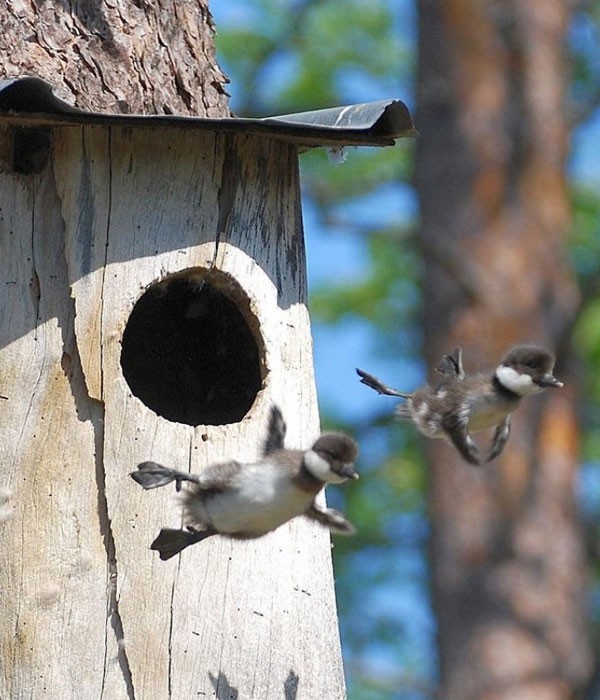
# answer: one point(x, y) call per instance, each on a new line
point(113, 613)
point(34, 285)
point(89, 408)
point(113, 616)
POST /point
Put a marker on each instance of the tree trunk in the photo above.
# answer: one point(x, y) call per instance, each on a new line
point(507, 557)
point(123, 57)
point(87, 610)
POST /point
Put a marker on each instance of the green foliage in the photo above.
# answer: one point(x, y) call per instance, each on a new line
point(382, 565)
point(320, 47)
point(386, 297)
point(365, 170)
point(585, 238)
point(587, 342)
point(585, 60)
point(585, 253)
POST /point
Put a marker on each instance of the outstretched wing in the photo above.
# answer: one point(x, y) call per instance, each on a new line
point(451, 365)
point(331, 518)
point(455, 425)
point(500, 438)
point(275, 432)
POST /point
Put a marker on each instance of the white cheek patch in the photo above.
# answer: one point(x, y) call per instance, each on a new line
point(521, 384)
point(320, 468)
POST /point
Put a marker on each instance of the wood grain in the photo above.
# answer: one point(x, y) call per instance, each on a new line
point(89, 610)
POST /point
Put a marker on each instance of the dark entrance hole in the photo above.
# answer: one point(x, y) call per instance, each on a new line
point(189, 352)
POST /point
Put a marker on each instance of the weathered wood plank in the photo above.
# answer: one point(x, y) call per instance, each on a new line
point(90, 609)
point(234, 609)
point(84, 193)
point(54, 572)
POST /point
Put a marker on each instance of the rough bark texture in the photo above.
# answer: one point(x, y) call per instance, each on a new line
point(508, 565)
point(123, 56)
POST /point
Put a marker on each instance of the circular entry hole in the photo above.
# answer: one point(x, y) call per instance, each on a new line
point(189, 352)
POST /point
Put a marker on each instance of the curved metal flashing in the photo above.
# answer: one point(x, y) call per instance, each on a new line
point(30, 101)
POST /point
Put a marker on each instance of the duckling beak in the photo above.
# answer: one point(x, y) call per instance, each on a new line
point(349, 471)
point(550, 381)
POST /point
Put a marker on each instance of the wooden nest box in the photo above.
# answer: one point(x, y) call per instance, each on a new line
point(152, 273)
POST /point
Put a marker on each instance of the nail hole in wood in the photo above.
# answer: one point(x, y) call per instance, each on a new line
point(192, 350)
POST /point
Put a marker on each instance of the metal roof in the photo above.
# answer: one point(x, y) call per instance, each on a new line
point(29, 101)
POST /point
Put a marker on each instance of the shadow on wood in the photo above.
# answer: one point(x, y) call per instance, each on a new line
point(223, 690)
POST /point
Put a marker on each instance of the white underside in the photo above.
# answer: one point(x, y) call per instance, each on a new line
point(262, 499)
point(486, 413)
point(483, 412)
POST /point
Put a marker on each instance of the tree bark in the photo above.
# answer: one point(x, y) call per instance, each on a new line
point(123, 57)
point(507, 556)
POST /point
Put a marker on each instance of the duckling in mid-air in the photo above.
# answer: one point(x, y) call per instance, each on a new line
point(467, 403)
point(245, 501)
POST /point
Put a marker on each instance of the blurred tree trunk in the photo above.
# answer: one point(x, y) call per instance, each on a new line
point(507, 557)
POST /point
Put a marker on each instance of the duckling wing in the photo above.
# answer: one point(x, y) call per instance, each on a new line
point(331, 518)
point(455, 425)
point(452, 365)
point(500, 438)
point(276, 430)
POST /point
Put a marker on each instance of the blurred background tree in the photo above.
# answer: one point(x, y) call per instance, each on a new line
point(505, 247)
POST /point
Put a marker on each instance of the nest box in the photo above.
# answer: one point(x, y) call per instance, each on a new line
point(152, 273)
